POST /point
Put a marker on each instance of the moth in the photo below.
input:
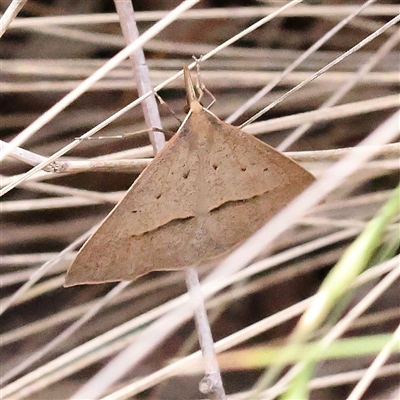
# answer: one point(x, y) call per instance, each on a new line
point(210, 188)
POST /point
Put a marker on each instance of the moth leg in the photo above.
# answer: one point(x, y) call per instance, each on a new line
point(200, 86)
point(165, 104)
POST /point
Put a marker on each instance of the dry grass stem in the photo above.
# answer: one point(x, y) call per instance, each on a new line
point(320, 80)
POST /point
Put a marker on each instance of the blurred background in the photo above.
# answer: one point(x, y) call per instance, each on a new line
point(50, 48)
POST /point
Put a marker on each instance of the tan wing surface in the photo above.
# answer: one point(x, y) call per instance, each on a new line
point(210, 188)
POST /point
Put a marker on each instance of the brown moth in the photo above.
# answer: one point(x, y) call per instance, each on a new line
point(209, 189)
